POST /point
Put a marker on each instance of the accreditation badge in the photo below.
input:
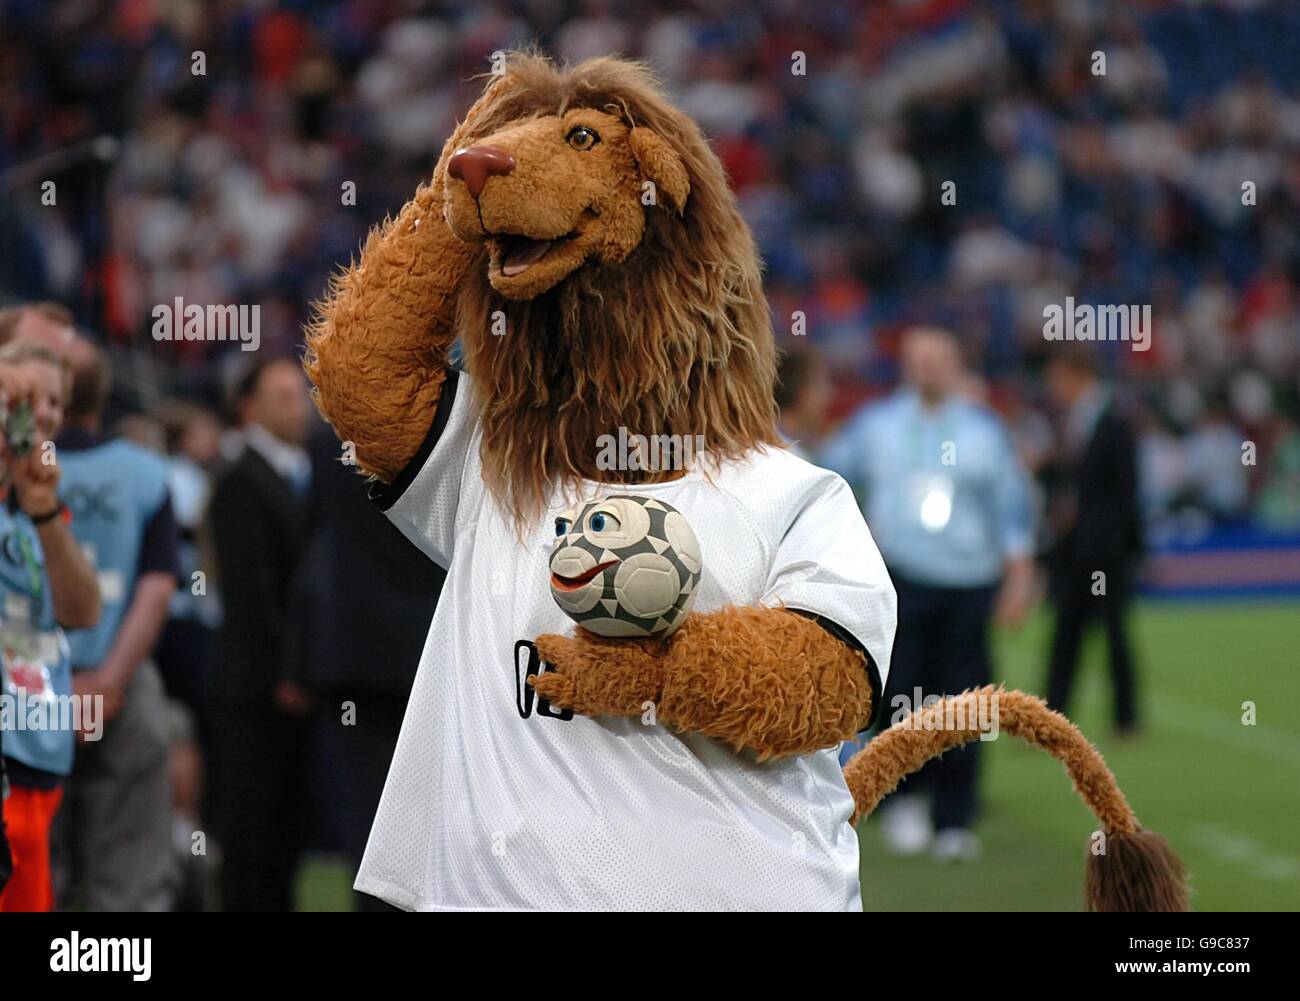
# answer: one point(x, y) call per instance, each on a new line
point(930, 499)
point(25, 664)
point(33, 675)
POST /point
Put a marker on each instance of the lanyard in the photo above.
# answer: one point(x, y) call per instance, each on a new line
point(30, 564)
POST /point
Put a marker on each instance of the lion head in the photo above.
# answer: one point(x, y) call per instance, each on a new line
point(553, 170)
point(617, 284)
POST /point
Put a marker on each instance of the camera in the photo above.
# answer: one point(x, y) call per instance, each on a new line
point(18, 426)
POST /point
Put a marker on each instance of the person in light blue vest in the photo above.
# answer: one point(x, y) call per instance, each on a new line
point(45, 583)
point(115, 829)
point(948, 502)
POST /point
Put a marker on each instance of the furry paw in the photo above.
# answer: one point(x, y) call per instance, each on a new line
point(596, 676)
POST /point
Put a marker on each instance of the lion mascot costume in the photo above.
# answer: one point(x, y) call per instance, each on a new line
point(580, 242)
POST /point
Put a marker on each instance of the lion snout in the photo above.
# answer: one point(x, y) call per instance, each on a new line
point(475, 164)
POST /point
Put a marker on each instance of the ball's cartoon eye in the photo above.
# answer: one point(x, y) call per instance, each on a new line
point(582, 138)
point(603, 521)
point(561, 527)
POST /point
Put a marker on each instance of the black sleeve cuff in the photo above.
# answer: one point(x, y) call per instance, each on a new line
point(873, 672)
point(387, 494)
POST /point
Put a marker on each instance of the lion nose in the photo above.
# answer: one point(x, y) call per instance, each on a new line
point(477, 163)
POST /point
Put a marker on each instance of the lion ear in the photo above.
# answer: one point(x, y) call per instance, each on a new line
point(661, 166)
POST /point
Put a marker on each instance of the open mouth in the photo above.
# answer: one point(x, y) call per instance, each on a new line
point(519, 253)
point(582, 580)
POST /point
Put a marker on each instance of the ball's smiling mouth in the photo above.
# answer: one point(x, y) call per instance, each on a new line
point(582, 580)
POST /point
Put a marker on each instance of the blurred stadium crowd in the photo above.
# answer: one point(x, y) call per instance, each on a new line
point(251, 181)
point(230, 187)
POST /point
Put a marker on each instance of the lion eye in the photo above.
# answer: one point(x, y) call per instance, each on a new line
point(561, 527)
point(582, 138)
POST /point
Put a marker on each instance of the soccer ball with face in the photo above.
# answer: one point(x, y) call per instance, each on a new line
point(625, 566)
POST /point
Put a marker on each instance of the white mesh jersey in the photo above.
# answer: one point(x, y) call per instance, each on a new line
point(496, 801)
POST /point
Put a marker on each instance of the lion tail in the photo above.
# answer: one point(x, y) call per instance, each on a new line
point(1129, 868)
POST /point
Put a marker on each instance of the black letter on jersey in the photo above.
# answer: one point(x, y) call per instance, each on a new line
point(524, 692)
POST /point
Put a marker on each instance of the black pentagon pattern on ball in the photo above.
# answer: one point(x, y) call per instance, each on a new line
point(608, 607)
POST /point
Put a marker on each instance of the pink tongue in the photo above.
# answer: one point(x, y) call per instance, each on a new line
point(524, 257)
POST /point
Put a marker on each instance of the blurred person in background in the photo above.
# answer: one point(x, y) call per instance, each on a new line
point(143, 430)
point(1279, 498)
point(45, 583)
point(187, 648)
point(947, 500)
point(6, 856)
point(370, 595)
point(197, 872)
point(803, 395)
point(1162, 465)
point(1094, 524)
point(1217, 475)
point(1030, 431)
point(262, 713)
point(114, 834)
point(50, 323)
point(188, 645)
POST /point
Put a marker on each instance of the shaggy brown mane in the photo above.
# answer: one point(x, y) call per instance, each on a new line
point(675, 340)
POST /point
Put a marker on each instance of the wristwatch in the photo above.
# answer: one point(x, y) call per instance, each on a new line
point(41, 519)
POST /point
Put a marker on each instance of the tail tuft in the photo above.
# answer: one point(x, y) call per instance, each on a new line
point(1137, 872)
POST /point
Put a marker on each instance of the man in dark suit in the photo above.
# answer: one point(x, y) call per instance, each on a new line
point(369, 596)
point(1095, 523)
point(261, 709)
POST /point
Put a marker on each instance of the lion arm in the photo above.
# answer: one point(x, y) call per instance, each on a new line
point(768, 679)
point(765, 678)
point(377, 348)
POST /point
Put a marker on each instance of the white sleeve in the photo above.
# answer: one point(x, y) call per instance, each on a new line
point(826, 564)
point(423, 500)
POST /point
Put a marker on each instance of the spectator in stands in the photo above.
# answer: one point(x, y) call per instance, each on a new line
point(1162, 465)
point(1279, 500)
point(1215, 468)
